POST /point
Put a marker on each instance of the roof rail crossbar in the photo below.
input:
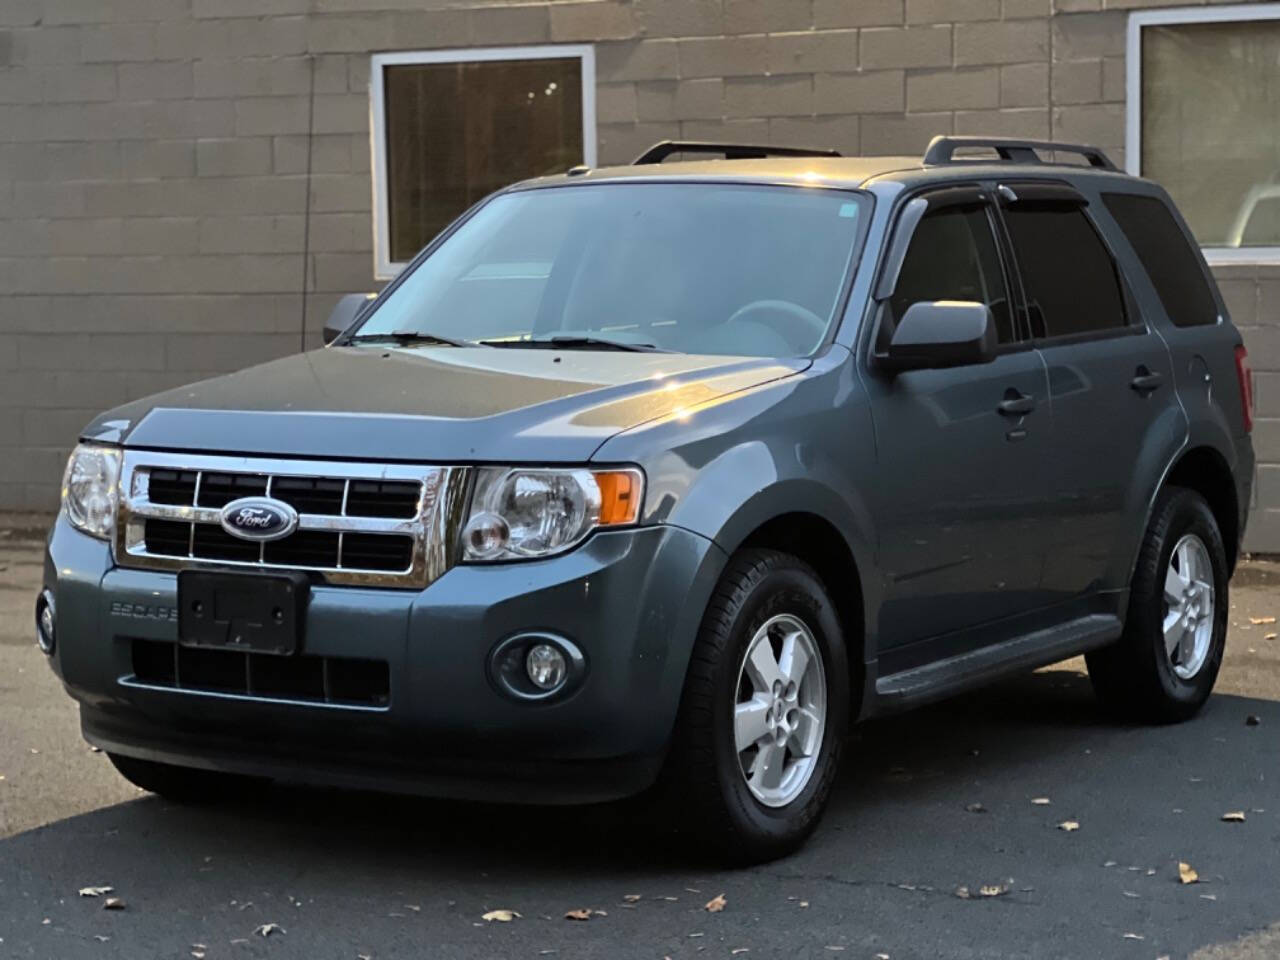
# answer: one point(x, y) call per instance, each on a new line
point(942, 150)
point(731, 151)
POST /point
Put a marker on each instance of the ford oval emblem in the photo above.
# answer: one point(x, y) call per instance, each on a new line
point(259, 518)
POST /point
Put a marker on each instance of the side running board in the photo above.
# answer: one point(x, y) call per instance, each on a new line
point(945, 678)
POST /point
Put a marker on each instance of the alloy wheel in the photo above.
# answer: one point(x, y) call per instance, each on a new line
point(780, 711)
point(1188, 606)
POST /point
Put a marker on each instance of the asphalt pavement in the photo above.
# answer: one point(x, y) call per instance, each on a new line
point(927, 803)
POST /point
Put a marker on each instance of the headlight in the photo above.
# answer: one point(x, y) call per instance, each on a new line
point(90, 489)
point(523, 513)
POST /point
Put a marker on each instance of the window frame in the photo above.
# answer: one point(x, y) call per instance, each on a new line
point(1174, 16)
point(384, 268)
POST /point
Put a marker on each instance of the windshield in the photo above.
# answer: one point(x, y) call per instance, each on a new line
point(692, 268)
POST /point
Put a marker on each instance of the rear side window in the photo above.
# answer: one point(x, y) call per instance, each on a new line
point(1167, 257)
point(1068, 276)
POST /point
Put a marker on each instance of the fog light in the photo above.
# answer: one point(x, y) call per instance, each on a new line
point(546, 666)
point(46, 623)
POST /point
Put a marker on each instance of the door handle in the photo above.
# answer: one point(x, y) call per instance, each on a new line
point(1144, 381)
point(1016, 404)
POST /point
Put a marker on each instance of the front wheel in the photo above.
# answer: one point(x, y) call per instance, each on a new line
point(764, 711)
point(1165, 665)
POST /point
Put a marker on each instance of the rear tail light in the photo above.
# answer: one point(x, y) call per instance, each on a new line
point(1245, 376)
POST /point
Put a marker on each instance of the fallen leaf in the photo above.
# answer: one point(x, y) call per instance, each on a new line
point(975, 808)
point(1040, 801)
point(804, 904)
point(1109, 863)
point(101, 938)
point(1208, 896)
point(1134, 936)
point(632, 897)
point(882, 956)
point(582, 913)
point(1258, 621)
point(96, 891)
point(1235, 816)
point(993, 890)
point(737, 950)
point(1130, 894)
point(1251, 721)
point(716, 903)
point(1186, 874)
point(501, 916)
point(198, 954)
point(113, 903)
point(267, 929)
point(962, 893)
point(1269, 636)
point(1068, 826)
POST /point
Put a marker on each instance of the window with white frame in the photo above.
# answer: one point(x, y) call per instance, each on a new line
point(450, 126)
point(1204, 121)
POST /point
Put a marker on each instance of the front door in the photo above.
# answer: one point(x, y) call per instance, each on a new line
point(958, 501)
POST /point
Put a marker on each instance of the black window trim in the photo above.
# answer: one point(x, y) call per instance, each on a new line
point(906, 216)
point(1135, 323)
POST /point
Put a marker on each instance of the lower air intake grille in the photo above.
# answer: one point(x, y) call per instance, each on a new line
point(328, 680)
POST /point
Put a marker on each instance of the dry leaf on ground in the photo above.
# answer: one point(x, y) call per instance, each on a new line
point(993, 890)
point(1186, 873)
point(581, 914)
point(501, 916)
point(267, 929)
point(1134, 936)
point(632, 897)
point(975, 808)
point(96, 891)
point(1235, 816)
point(962, 893)
point(716, 903)
point(1068, 826)
point(1258, 621)
point(1040, 801)
point(113, 903)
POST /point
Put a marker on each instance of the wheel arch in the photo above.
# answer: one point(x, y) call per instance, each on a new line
point(1205, 470)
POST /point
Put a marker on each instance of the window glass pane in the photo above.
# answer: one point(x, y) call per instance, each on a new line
point(1167, 257)
point(1068, 276)
point(695, 268)
point(952, 257)
point(1211, 126)
point(458, 131)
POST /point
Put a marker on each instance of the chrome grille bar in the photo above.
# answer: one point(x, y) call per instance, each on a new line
point(433, 527)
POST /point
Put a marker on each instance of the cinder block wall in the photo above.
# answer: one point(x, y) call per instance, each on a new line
point(154, 158)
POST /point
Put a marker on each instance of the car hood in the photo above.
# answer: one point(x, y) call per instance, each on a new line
point(432, 404)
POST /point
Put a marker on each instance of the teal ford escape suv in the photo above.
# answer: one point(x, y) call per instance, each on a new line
point(668, 473)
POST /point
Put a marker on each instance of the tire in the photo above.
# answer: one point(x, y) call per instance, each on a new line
point(705, 777)
point(184, 784)
point(1138, 678)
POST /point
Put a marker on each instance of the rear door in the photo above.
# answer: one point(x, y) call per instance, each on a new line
point(959, 497)
point(1111, 386)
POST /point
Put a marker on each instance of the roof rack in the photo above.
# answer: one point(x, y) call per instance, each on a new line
point(732, 151)
point(942, 150)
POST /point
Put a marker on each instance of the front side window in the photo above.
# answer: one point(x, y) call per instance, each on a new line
point(1204, 121)
point(451, 127)
point(952, 256)
point(692, 268)
point(1068, 277)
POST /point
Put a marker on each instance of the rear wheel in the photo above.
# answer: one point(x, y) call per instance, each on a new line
point(1165, 665)
point(764, 712)
point(184, 784)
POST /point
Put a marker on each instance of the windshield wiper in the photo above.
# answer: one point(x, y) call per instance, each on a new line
point(575, 342)
point(404, 338)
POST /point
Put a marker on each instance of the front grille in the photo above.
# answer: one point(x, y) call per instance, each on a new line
point(336, 681)
point(357, 524)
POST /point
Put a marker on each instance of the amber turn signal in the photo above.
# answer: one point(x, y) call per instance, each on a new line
point(620, 494)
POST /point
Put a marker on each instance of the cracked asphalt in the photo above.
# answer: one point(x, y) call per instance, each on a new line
point(350, 875)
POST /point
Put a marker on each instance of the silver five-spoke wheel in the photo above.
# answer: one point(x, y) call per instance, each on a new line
point(780, 712)
point(1188, 606)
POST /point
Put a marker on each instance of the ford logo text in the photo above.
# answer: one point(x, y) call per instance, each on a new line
point(259, 518)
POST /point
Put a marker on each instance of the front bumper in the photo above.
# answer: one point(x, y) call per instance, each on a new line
point(630, 600)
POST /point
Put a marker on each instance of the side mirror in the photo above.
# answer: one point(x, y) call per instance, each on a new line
point(344, 314)
point(942, 333)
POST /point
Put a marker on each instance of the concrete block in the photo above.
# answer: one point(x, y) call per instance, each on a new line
point(232, 158)
point(1028, 123)
point(158, 235)
point(895, 47)
point(963, 89)
point(813, 51)
point(1076, 81)
point(1008, 41)
point(281, 233)
point(256, 77)
point(722, 56)
point(267, 116)
point(1024, 85)
point(951, 11)
point(767, 16)
point(155, 81)
point(514, 25)
point(118, 42)
point(858, 13)
point(879, 91)
point(637, 60)
point(616, 103)
point(1025, 9)
point(750, 97)
point(623, 142)
point(146, 159)
point(902, 134)
point(1086, 36)
point(659, 100)
point(680, 18)
point(836, 132)
point(78, 84)
point(592, 20)
point(1099, 124)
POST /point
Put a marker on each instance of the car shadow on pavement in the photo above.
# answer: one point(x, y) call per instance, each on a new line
point(926, 803)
